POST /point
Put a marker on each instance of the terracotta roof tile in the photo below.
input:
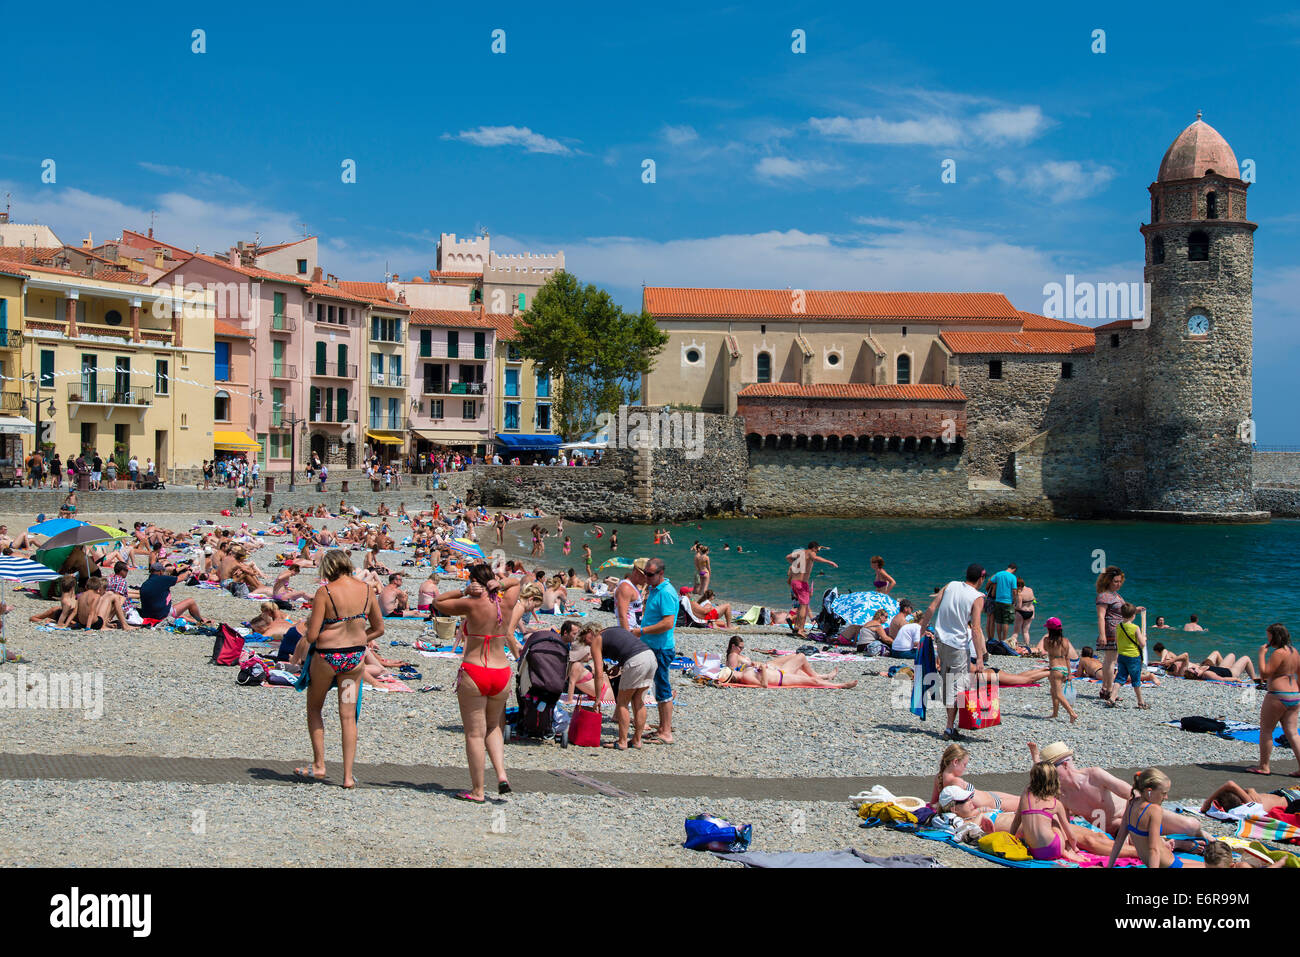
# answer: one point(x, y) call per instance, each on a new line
point(333, 292)
point(377, 292)
point(451, 274)
point(1045, 343)
point(251, 271)
point(1115, 326)
point(7, 270)
point(263, 250)
point(221, 327)
point(1036, 323)
point(29, 254)
point(665, 302)
point(854, 390)
point(140, 241)
point(121, 275)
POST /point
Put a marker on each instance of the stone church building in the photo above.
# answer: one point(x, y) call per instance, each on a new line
point(959, 404)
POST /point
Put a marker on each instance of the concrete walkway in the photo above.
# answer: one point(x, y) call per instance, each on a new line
point(1190, 781)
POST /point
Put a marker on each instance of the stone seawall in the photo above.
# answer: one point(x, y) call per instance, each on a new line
point(1277, 469)
point(1282, 502)
point(142, 504)
point(580, 494)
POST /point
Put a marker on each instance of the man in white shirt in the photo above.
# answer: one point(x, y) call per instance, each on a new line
point(954, 614)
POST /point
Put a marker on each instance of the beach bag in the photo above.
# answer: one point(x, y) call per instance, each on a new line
point(228, 646)
point(536, 717)
point(252, 673)
point(584, 727)
point(706, 833)
point(1203, 725)
point(976, 714)
point(607, 604)
point(445, 629)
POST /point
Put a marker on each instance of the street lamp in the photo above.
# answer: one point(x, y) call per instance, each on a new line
point(294, 421)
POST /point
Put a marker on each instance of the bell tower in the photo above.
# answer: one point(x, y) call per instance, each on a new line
point(1195, 365)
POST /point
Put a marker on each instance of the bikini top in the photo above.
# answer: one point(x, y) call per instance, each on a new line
point(1041, 810)
point(335, 621)
point(1137, 830)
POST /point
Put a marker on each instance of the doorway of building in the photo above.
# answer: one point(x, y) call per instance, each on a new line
point(160, 453)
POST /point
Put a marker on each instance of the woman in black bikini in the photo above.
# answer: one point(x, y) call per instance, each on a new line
point(335, 651)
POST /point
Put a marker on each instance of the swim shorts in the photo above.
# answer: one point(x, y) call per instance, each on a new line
point(801, 592)
point(1002, 613)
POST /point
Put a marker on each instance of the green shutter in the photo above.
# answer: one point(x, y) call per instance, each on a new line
point(342, 396)
point(47, 368)
point(315, 401)
point(453, 344)
point(426, 342)
point(521, 302)
point(343, 359)
point(320, 358)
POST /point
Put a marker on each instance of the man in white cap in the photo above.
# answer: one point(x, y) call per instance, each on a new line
point(1099, 796)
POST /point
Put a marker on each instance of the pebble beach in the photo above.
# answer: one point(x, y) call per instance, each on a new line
point(163, 699)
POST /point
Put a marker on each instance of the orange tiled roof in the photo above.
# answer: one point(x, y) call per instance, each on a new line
point(222, 328)
point(29, 254)
point(853, 390)
point(1045, 343)
point(451, 274)
point(1115, 326)
point(666, 302)
point(333, 292)
point(378, 292)
point(1036, 323)
point(472, 318)
point(504, 323)
point(263, 250)
point(251, 271)
point(135, 280)
point(121, 275)
point(6, 270)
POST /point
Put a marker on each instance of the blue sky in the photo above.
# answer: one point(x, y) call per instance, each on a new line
point(815, 170)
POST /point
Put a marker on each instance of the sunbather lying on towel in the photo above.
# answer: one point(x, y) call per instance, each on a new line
point(1232, 794)
point(792, 664)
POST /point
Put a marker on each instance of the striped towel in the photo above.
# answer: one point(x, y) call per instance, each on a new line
point(1261, 829)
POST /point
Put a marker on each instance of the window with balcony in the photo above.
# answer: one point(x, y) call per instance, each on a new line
point(162, 378)
point(512, 383)
point(222, 362)
point(512, 417)
point(469, 410)
point(376, 417)
point(320, 358)
point(277, 359)
point(513, 354)
point(453, 344)
point(277, 409)
point(343, 361)
point(277, 314)
point(480, 345)
point(394, 413)
point(426, 342)
point(89, 376)
point(543, 418)
point(543, 386)
point(342, 407)
point(315, 404)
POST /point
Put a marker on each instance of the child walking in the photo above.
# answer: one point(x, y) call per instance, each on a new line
point(1058, 661)
point(1131, 641)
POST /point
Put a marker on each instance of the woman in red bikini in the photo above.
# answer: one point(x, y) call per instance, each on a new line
point(344, 618)
point(483, 681)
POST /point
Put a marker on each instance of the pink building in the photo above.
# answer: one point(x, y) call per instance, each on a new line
point(451, 382)
point(332, 351)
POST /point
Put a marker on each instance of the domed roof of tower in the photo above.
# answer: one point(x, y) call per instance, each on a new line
point(1197, 150)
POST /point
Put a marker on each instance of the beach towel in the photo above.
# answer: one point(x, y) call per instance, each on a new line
point(1268, 829)
point(922, 682)
point(849, 857)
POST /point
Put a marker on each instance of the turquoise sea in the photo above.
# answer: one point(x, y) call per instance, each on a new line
point(1237, 579)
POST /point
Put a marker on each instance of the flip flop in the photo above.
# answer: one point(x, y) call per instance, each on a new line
point(306, 774)
point(466, 796)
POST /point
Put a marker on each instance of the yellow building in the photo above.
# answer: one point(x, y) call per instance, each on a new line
point(128, 368)
point(14, 425)
point(524, 398)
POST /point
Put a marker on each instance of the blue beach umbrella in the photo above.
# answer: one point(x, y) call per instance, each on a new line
point(858, 607)
point(55, 526)
point(14, 569)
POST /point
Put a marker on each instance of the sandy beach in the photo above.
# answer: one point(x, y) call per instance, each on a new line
point(163, 699)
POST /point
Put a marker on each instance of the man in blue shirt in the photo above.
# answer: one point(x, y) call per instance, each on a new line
point(659, 622)
point(1003, 586)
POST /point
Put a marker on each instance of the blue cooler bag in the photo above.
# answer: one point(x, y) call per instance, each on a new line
point(705, 833)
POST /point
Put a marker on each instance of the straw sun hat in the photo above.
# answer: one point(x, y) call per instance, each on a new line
point(1055, 752)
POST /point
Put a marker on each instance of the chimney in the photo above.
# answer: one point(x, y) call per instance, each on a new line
point(332, 280)
point(110, 251)
point(158, 258)
point(87, 243)
point(316, 274)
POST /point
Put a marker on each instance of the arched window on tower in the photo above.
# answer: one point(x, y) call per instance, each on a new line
point(903, 370)
point(1157, 250)
point(764, 367)
point(1198, 246)
point(1155, 209)
point(1211, 205)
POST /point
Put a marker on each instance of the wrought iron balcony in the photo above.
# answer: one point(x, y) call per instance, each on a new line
point(284, 372)
point(108, 395)
point(334, 370)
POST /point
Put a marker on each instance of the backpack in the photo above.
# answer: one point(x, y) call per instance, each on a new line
point(827, 622)
point(1205, 725)
point(227, 647)
point(536, 716)
point(607, 604)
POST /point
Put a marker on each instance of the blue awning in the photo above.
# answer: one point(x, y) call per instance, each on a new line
point(529, 443)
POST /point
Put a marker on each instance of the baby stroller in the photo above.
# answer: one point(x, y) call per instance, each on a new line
point(542, 677)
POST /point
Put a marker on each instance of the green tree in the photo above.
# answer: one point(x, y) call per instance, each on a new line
point(580, 335)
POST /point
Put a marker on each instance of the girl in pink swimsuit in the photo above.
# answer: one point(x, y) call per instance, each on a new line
point(1044, 786)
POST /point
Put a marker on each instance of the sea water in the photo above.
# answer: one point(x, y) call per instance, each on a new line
point(1236, 578)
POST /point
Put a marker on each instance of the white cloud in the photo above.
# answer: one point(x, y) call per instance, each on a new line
point(1018, 126)
point(510, 136)
point(781, 167)
point(193, 175)
point(679, 135)
point(929, 131)
point(1059, 180)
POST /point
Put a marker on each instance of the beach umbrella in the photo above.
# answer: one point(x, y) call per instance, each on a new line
point(615, 563)
point(55, 526)
point(858, 607)
point(84, 535)
point(14, 569)
point(467, 548)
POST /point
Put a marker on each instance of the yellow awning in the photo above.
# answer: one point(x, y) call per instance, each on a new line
point(234, 442)
point(385, 439)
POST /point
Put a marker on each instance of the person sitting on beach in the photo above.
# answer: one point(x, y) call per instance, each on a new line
point(424, 597)
point(69, 507)
point(1045, 830)
point(1230, 795)
point(156, 600)
point(281, 591)
point(554, 596)
point(961, 802)
point(97, 607)
point(523, 620)
point(1099, 796)
point(393, 600)
point(905, 613)
point(876, 639)
point(1144, 817)
point(952, 770)
point(1220, 667)
point(1192, 625)
point(707, 610)
point(62, 614)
